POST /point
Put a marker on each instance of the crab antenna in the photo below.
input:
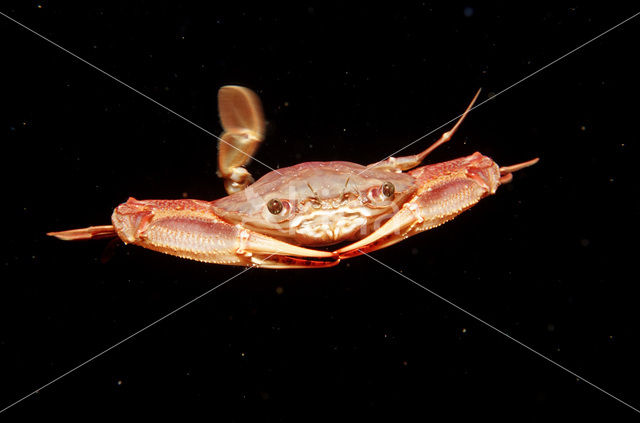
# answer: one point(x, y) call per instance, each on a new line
point(506, 171)
point(345, 185)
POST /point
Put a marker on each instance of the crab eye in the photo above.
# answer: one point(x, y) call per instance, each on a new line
point(388, 189)
point(275, 206)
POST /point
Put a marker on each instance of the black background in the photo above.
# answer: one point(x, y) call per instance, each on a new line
point(551, 259)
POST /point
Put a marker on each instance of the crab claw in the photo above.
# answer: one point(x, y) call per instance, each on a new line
point(191, 229)
point(445, 190)
point(92, 232)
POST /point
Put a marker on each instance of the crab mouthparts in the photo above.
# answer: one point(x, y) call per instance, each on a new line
point(330, 226)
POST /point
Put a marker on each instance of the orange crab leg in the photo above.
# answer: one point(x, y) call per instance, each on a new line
point(244, 126)
point(506, 171)
point(446, 190)
point(190, 229)
point(92, 232)
point(409, 162)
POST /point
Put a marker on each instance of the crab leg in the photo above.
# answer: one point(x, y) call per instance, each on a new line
point(506, 171)
point(92, 232)
point(190, 229)
point(243, 122)
point(398, 164)
point(446, 190)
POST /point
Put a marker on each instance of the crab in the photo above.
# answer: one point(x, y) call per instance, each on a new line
point(281, 220)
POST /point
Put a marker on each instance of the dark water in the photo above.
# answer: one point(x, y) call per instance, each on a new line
point(551, 259)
